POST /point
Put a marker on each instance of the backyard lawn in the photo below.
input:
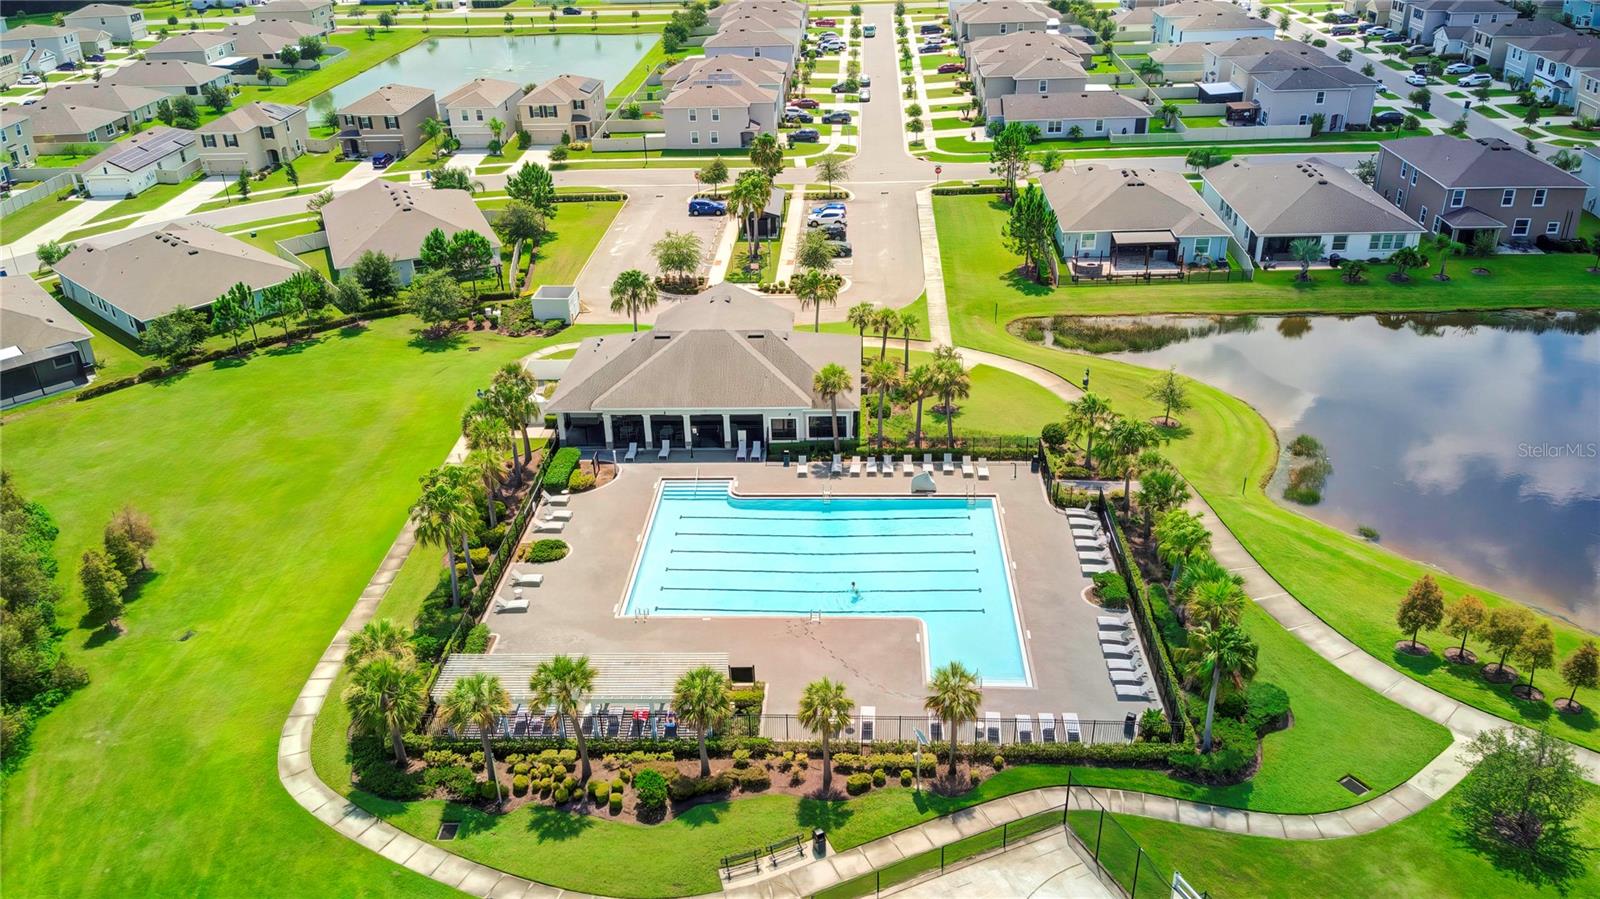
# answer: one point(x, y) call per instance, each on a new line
point(149, 200)
point(272, 516)
point(26, 219)
point(1350, 584)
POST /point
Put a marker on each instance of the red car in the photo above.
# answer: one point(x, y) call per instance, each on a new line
point(806, 103)
point(824, 23)
point(949, 67)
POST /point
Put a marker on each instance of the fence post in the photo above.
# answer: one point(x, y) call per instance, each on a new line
point(941, 859)
point(1005, 834)
point(1137, 858)
point(1098, 830)
point(1067, 805)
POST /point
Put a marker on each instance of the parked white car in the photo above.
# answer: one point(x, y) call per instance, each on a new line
point(1416, 80)
point(1477, 80)
point(1458, 68)
point(825, 217)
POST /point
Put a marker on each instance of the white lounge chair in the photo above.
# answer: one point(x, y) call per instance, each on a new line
point(1116, 651)
point(556, 499)
point(991, 727)
point(1047, 727)
point(510, 605)
point(967, 470)
point(1114, 622)
point(1134, 692)
point(1121, 665)
point(1024, 729)
point(755, 452)
point(927, 463)
point(632, 454)
point(908, 466)
point(1069, 723)
point(1083, 514)
point(983, 469)
point(855, 466)
point(837, 468)
point(739, 456)
point(949, 466)
point(527, 579)
point(666, 449)
point(549, 527)
point(888, 465)
point(558, 514)
point(1094, 568)
point(803, 469)
point(1126, 677)
point(868, 723)
point(872, 465)
point(1114, 641)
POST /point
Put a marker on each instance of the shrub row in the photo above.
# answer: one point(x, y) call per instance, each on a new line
point(596, 197)
point(967, 189)
point(999, 448)
point(546, 550)
point(1139, 603)
point(562, 464)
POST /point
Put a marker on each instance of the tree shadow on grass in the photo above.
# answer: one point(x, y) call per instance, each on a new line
point(1555, 862)
point(171, 379)
point(1581, 720)
point(828, 814)
point(102, 635)
point(1024, 284)
point(296, 348)
point(349, 332)
point(1421, 666)
point(554, 825)
point(444, 343)
point(702, 815)
point(229, 362)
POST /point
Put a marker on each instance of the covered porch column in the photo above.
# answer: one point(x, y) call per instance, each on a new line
point(727, 431)
point(649, 438)
point(605, 422)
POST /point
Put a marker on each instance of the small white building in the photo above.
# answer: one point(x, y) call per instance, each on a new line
point(131, 167)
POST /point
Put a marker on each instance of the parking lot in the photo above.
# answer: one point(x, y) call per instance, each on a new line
point(651, 211)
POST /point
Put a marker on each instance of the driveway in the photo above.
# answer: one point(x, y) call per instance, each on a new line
point(651, 211)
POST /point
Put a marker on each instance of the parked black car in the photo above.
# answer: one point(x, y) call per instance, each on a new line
point(805, 136)
point(1389, 117)
point(837, 117)
point(571, 11)
point(803, 117)
point(841, 249)
point(833, 230)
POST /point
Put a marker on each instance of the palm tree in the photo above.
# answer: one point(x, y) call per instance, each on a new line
point(1213, 653)
point(920, 383)
point(487, 436)
point(478, 699)
point(885, 321)
point(860, 317)
point(632, 291)
point(1084, 420)
point(952, 382)
point(747, 198)
point(954, 694)
point(825, 710)
point(443, 515)
point(1305, 250)
point(432, 131)
point(702, 699)
point(1446, 246)
point(526, 384)
point(387, 695)
point(565, 683)
point(833, 168)
point(1169, 112)
point(815, 289)
point(462, 481)
point(908, 324)
point(1179, 538)
point(1128, 439)
point(1216, 602)
point(882, 376)
point(378, 637)
point(512, 405)
point(829, 383)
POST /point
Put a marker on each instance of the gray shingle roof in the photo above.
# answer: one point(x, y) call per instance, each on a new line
point(1007, 11)
point(1305, 198)
point(482, 92)
point(1081, 105)
point(391, 99)
point(252, 115)
point(562, 89)
point(1099, 197)
point(1485, 162)
point(392, 219)
point(31, 320)
point(167, 73)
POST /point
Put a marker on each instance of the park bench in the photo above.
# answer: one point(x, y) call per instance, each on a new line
point(740, 861)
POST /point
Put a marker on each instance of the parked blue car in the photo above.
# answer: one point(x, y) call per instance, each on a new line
point(382, 160)
point(707, 207)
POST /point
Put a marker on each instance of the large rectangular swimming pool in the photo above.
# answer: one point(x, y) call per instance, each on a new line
point(940, 560)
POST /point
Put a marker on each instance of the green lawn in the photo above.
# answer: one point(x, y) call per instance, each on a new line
point(1424, 855)
point(574, 233)
point(149, 200)
point(272, 516)
point(26, 219)
point(1350, 584)
point(363, 55)
point(1001, 403)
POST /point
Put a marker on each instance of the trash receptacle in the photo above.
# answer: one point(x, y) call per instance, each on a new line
point(819, 843)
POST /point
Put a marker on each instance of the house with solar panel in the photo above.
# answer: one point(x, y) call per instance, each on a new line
point(161, 155)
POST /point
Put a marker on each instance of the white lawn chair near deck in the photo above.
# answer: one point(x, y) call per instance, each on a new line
point(803, 469)
point(755, 452)
point(1126, 677)
point(558, 514)
point(633, 453)
point(516, 604)
point(556, 499)
point(872, 465)
point(1083, 514)
point(549, 527)
point(1116, 650)
point(1134, 693)
point(967, 471)
point(1112, 622)
point(666, 449)
point(907, 466)
point(983, 469)
point(837, 468)
point(1024, 729)
point(527, 578)
point(1047, 727)
point(855, 466)
point(888, 465)
point(1069, 722)
point(1121, 665)
point(927, 463)
point(867, 723)
point(1114, 641)
point(949, 466)
point(740, 455)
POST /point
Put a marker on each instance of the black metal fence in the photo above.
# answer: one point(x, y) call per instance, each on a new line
point(1158, 662)
point(1119, 862)
point(1000, 731)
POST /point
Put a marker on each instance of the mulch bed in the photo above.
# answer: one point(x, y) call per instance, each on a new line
point(1532, 694)
point(1568, 707)
point(1412, 649)
point(604, 475)
point(1495, 674)
point(1456, 656)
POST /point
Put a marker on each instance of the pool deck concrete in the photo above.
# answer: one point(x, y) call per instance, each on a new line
point(881, 660)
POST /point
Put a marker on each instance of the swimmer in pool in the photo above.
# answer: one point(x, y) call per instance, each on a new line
point(855, 594)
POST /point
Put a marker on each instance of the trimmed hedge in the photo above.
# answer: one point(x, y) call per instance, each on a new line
point(562, 464)
point(1139, 603)
point(999, 448)
point(858, 784)
point(969, 189)
point(546, 550)
point(650, 788)
point(596, 197)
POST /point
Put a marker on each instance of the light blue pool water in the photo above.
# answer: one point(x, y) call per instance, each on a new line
point(937, 559)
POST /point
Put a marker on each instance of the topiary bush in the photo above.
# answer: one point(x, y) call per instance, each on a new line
point(519, 785)
point(562, 795)
point(547, 550)
point(879, 778)
point(683, 787)
point(858, 784)
point(905, 777)
point(616, 803)
point(741, 758)
point(600, 790)
point(580, 481)
point(562, 464)
point(650, 789)
point(1267, 707)
point(752, 780)
point(999, 763)
point(455, 781)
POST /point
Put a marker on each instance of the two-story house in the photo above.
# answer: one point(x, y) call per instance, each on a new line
point(1585, 14)
point(203, 47)
point(252, 138)
point(94, 41)
point(1204, 21)
point(768, 73)
point(987, 18)
point(1489, 42)
point(388, 120)
point(265, 41)
point(316, 13)
point(1461, 187)
point(1586, 102)
point(60, 44)
point(126, 24)
point(470, 110)
point(570, 105)
point(16, 139)
point(1548, 66)
point(752, 40)
point(171, 77)
point(1292, 83)
point(1419, 19)
point(1000, 74)
point(719, 110)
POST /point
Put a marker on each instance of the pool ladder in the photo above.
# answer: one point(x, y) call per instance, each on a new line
point(827, 494)
point(971, 491)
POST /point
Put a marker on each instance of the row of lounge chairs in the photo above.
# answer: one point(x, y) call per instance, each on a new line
point(989, 729)
point(969, 469)
point(752, 452)
point(1089, 539)
point(1123, 658)
point(551, 518)
point(610, 722)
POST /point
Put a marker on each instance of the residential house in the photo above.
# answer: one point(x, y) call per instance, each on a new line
point(43, 349)
point(1488, 43)
point(1548, 66)
point(1134, 25)
point(1589, 174)
point(392, 219)
point(130, 167)
point(388, 120)
point(1205, 20)
point(1094, 113)
point(1585, 14)
point(752, 40)
point(10, 68)
point(16, 140)
point(134, 281)
point(998, 74)
point(91, 113)
point(39, 61)
point(713, 366)
point(985, 18)
point(1368, 10)
point(125, 23)
point(470, 108)
point(787, 23)
point(1586, 102)
point(1418, 19)
point(786, 9)
point(1460, 187)
point(138, 103)
point(570, 105)
point(1023, 43)
point(1291, 82)
point(171, 77)
point(721, 111)
point(264, 41)
point(62, 44)
point(94, 41)
point(222, 4)
point(210, 48)
point(764, 72)
point(1182, 62)
point(253, 137)
point(1120, 220)
point(1269, 206)
point(316, 13)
